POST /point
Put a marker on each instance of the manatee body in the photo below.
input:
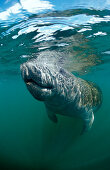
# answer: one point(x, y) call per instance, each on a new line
point(61, 91)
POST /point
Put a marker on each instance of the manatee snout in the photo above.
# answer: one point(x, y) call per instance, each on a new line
point(30, 73)
point(38, 80)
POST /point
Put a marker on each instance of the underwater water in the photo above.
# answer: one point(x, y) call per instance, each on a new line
point(77, 33)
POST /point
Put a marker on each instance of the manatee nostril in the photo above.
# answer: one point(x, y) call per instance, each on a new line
point(34, 69)
point(61, 71)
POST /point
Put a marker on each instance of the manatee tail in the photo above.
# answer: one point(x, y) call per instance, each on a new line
point(88, 121)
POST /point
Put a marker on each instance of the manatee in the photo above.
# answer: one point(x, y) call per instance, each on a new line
point(62, 92)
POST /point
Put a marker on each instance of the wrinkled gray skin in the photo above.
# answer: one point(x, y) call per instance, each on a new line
point(62, 92)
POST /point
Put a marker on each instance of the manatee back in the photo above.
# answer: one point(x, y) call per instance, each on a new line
point(91, 95)
point(96, 95)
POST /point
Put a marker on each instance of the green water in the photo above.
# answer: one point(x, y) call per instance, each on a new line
point(28, 139)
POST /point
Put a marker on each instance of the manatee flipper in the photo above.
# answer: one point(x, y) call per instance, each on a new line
point(88, 120)
point(52, 116)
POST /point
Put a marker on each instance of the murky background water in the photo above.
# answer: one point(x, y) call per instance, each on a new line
point(77, 33)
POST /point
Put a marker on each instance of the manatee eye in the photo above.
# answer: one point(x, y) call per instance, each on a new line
point(62, 71)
